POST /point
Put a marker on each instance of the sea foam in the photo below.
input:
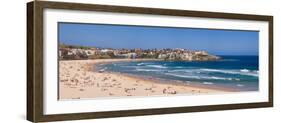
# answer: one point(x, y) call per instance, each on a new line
point(199, 77)
point(157, 66)
point(241, 72)
point(147, 70)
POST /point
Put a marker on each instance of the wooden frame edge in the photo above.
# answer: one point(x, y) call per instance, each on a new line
point(30, 88)
point(35, 60)
point(271, 54)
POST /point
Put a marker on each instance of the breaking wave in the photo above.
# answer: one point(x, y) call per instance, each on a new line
point(241, 72)
point(147, 70)
point(199, 77)
point(157, 66)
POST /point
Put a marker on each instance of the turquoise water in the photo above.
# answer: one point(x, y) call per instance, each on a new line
point(237, 72)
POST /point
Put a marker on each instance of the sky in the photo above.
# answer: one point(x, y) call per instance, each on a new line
point(217, 42)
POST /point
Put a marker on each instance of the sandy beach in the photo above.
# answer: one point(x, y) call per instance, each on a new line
point(79, 80)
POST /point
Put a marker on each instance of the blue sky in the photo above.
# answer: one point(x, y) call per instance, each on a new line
point(218, 42)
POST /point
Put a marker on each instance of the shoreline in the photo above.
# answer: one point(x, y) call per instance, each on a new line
point(159, 80)
point(181, 83)
point(78, 79)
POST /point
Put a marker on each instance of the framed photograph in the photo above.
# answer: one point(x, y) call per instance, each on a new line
point(96, 61)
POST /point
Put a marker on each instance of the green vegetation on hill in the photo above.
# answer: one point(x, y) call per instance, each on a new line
point(62, 45)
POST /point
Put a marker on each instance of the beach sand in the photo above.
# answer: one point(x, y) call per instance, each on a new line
point(79, 80)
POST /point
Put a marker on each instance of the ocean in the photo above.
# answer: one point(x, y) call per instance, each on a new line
point(234, 72)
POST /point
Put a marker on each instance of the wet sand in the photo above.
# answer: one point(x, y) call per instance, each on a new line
point(78, 79)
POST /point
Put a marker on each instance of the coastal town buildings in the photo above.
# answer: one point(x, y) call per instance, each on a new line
point(78, 52)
